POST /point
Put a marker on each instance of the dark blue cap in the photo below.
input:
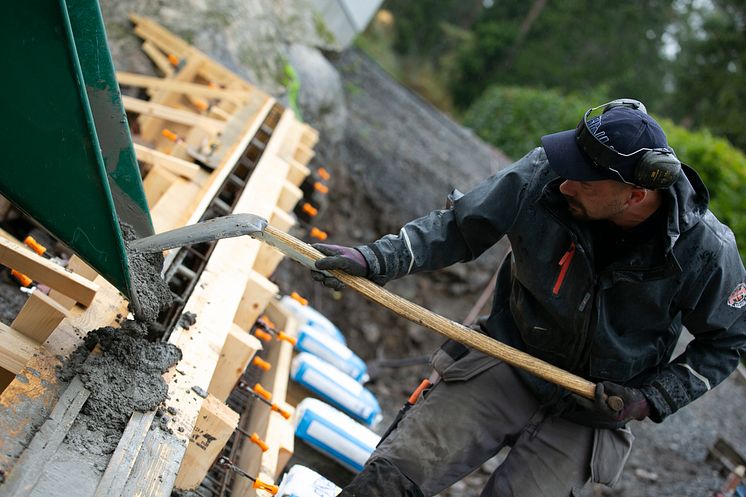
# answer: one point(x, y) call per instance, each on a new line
point(623, 129)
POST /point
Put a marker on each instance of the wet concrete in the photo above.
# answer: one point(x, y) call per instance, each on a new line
point(187, 319)
point(125, 377)
point(151, 291)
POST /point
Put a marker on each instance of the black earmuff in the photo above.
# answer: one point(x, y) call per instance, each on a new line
point(656, 168)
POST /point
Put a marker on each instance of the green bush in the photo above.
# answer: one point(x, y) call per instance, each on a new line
point(514, 120)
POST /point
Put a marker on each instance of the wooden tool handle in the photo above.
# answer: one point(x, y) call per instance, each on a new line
point(439, 324)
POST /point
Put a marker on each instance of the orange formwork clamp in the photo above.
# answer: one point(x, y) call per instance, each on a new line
point(262, 364)
point(201, 105)
point(265, 321)
point(167, 133)
point(262, 335)
point(321, 187)
point(173, 59)
point(281, 411)
point(273, 489)
point(260, 390)
point(258, 441)
point(37, 247)
point(296, 296)
point(21, 278)
point(309, 209)
point(318, 234)
point(323, 173)
point(287, 338)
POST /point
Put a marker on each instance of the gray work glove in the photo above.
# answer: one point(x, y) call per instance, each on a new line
point(346, 259)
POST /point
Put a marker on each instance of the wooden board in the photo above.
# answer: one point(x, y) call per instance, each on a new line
point(47, 272)
point(39, 317)
point(31, 465)
point(175, 165)
point(181, 87)
point(171, 114)
point(257, 294)
point(216, 422)
point(238, 350)
point(16, 349)
point(156, 184)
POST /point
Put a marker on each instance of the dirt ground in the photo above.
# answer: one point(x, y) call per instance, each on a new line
point(397, 161)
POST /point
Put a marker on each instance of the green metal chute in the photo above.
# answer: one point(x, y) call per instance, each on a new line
point(68, 160)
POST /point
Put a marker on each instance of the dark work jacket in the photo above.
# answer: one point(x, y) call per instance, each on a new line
point(620, 324)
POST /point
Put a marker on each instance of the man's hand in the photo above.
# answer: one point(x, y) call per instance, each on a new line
point(346, 259)
point(635, 404)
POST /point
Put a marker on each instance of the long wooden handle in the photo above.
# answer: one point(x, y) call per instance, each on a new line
point(439, 324)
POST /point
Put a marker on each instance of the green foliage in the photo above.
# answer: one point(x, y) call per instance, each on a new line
point(710, 70)
point(722, 168)
point(572, 45)
point(514, 119)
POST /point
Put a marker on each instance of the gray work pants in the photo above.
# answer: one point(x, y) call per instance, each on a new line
point(479, 407)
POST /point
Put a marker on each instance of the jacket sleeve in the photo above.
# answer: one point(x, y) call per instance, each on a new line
point(475, 222)
point(718, 322)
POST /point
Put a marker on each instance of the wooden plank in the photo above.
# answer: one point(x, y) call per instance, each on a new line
point(281, 438)
point(141, 81)
point(282, 220)
point(156, 184)
point(164, 39)
point(171, 114)
point(276, 381)
point(175, 165)
point(79, 267)
point(168, 212)
point(39, 317)
point(289, 196)
point(297, 173)
point(51, 434)
point(215, 424)
point(238, 350)
point(267, 260)
point(16, 349)
point(121, 462)
point(257, 294)
point(45, 271)
point(309, 136)
point(303, 154)
point(158, 58)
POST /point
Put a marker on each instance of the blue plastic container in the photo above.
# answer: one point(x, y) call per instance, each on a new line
point(337, 354)
point(336, 388)
point(301, 481)
point(307, 315)
point(334, 434)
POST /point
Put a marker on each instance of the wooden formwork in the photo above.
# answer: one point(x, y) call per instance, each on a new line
point(220, 121)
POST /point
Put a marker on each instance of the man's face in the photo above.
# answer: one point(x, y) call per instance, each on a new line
point(595, 200)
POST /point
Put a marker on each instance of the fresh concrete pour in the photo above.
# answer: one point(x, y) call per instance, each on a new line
point(123, 371)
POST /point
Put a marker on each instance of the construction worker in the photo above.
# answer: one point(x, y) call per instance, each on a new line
point(613, 251)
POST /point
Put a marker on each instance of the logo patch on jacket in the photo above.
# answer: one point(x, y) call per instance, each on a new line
point(737, 299)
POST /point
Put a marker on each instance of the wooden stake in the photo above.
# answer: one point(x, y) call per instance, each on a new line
point(39, 317)
point(171, 114)
point(257, 294)
point(216, 422)
point(16, 349)
point(238, 350)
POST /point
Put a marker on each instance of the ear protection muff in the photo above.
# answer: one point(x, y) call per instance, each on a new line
point(655, 169)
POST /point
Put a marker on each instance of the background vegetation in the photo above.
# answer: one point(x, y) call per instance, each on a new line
point(514, 70)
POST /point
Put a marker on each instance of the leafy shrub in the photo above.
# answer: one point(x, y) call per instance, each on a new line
point(514, 119)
